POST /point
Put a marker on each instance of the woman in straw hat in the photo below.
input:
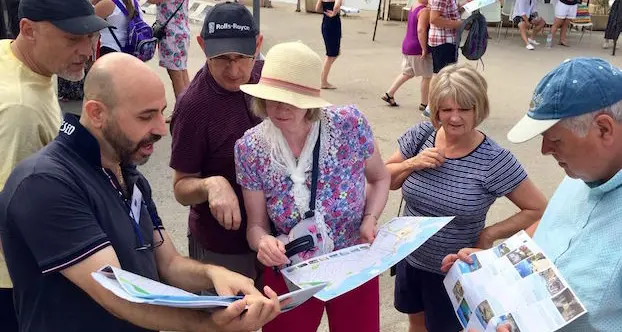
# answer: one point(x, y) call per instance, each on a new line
point(303, 149)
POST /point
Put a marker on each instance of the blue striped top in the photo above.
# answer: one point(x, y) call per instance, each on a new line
point(464, 187)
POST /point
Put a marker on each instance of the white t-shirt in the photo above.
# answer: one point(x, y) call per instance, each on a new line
point(120, 21)
point(524, 7)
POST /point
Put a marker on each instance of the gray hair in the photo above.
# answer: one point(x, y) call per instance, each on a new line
point(581, 124)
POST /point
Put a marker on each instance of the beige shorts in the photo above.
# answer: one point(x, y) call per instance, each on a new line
point(413, 65)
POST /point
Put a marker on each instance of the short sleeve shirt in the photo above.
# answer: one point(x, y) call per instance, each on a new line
point(206, 123)
point(465, 187)
point(580, 232)
point(524, 7)
point(449, 10)
point(58, 208)
point(346, 141)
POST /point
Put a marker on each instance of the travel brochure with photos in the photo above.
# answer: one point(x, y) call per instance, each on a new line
point(513, 282)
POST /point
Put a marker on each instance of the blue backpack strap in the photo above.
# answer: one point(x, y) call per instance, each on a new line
point(121, 6)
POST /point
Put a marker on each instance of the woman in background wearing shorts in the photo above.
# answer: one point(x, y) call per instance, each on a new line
point(565, 11)
point(415, 61)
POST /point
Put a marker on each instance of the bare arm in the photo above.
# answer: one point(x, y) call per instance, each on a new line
point(532, 203)
point(147, 316)
point(439, 21)
point(423, 25)
point(270, 251)
point(104, 8)
point(258, 222)
point(337, 7)
point(190, 189)
point(318, 6)
point(188, 274)
point(378, 182)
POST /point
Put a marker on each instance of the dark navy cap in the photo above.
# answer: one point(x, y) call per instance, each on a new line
point(229, 27)
point(73, 16)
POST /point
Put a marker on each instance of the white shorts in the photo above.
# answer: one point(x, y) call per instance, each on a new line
point(564, 11)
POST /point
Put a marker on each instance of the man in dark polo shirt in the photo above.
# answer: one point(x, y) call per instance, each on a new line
point(209, 117)
point(80, 204)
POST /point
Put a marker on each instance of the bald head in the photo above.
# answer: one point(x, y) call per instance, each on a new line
point(117, 77)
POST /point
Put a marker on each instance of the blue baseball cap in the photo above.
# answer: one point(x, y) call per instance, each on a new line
point(577, 86)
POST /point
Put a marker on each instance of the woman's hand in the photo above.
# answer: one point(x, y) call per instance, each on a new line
point(462, 255)
point(428, 158)
point(368, 229)
point(271, 252)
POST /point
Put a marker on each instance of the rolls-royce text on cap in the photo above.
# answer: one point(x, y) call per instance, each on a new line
point(229, 28)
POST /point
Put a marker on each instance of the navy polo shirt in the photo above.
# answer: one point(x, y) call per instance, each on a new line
point(58, 207)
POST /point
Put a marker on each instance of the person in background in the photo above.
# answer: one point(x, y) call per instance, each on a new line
point(275, 161)
point(9, 29)
point(580, 230)
point(415, 58)
point(526, 18)
point(444, 20)
point(565, 11)
point(81, 204)
point(173, 48)
point(331, 32)
point(449, 168)
point(208, 118)
point(57, 37)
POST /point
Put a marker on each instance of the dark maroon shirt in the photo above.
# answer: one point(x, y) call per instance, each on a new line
point(206, 123)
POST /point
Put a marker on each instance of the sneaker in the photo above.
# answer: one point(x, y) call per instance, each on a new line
point(530, 47)
point(533, 41)
point(426, 112)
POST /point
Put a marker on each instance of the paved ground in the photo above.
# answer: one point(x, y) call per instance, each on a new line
point(362, 74)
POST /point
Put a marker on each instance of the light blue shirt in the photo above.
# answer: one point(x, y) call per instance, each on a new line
point(581, 232)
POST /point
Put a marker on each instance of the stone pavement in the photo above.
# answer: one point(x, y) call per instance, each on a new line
point(362, 74)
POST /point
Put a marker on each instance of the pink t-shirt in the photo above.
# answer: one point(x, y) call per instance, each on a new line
point(346, 141)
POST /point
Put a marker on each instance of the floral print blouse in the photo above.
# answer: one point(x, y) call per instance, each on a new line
point(346, 141)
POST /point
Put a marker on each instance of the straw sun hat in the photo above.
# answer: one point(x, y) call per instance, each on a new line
point(291, 75)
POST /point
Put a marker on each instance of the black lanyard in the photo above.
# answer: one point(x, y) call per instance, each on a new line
point(315, 172)
point(126, 203)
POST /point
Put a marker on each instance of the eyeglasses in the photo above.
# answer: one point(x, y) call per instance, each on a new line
point(141, 245)
point(226, 61)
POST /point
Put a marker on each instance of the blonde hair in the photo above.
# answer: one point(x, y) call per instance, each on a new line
point(465, 86)
point(259, 109)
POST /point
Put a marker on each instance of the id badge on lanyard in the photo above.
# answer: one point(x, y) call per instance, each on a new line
point(137, 198)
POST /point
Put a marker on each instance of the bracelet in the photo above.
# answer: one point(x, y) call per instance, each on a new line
point(370, 214)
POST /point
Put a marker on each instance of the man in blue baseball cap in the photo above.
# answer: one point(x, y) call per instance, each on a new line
point(577, 109)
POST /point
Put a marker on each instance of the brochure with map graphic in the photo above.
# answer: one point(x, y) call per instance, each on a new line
point(346, 269)
point(513, 282)
point(138, 289)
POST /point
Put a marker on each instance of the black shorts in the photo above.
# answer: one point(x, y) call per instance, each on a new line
point(443, 55)
point(417, 290)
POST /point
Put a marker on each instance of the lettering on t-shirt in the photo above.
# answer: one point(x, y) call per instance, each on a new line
point(67, 128)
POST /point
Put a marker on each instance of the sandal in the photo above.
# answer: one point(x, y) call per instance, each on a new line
point(564, 44)
point(422, 107)
point(390, 100)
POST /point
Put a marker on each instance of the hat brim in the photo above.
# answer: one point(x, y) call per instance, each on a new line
point(219, 46)
point(299, 100)
point(528, 128)
point(82, 25)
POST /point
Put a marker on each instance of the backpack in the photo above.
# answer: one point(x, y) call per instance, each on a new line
point(140, 40)
point(477, 38)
